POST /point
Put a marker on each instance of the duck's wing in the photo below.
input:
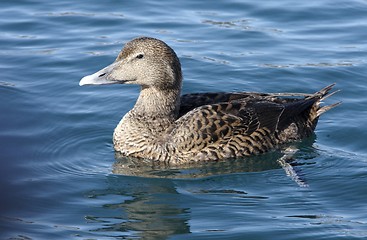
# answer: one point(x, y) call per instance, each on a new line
point(226, 130)
point(240, 127)
point(244, 126)
point(194, 100)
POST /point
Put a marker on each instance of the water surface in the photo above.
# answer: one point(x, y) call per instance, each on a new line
point(59, 178)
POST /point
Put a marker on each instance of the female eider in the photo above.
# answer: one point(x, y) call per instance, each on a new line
point(167, 127)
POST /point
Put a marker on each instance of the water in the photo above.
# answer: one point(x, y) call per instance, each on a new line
point(58, 175)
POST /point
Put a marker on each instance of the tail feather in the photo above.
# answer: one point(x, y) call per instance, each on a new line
point(323, 92)
point(321, 96)
point(329, 95)
point(327, 108)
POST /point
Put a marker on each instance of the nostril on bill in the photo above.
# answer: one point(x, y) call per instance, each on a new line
point(102, 75)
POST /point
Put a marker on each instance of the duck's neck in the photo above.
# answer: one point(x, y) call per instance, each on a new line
point(164, 103)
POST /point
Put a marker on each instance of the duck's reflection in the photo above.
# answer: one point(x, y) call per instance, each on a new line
point(145, 203)
point(149, 206)
point(147, 209)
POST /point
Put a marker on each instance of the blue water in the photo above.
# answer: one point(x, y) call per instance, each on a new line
point(58, 175)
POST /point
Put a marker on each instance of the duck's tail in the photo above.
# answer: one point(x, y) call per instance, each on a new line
point(321, 96)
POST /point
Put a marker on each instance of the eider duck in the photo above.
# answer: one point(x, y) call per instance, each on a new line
point(170, 128)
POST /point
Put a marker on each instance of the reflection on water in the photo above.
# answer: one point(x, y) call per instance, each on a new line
point(136, 207)
point(152, 211)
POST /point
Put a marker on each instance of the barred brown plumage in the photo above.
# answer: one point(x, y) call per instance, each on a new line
point(167, 127)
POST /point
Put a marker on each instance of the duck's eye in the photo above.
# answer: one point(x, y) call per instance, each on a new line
point(140, 56)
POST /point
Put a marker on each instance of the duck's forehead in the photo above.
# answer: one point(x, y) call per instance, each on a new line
point(125, 52)
point(146, 46)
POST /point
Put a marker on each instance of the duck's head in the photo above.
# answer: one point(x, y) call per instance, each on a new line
point(145, 61)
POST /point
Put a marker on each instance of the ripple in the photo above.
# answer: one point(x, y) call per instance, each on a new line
point(60, 145)
point(6, 84)
point(78, 14)
point(241, 24)
point(319, 65)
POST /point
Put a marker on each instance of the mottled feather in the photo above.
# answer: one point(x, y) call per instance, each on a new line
point(167, 127)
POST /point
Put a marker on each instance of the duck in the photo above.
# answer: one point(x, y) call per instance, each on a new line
point(164, 126)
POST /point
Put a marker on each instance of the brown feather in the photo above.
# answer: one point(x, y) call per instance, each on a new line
point(200, 126)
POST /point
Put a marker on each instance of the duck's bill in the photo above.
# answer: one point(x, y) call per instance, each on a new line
point(100, 77)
